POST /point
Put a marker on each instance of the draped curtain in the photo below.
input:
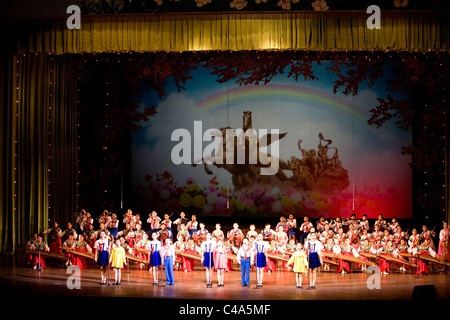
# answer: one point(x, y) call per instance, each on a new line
point(38, 91)
point(38, 182)
point(330, 30)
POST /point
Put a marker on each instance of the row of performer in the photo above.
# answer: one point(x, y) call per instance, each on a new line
point(215, 252)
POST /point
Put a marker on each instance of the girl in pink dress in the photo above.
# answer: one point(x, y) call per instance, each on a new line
point(220, 261)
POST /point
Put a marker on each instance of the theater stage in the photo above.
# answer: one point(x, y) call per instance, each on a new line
point(19, 278)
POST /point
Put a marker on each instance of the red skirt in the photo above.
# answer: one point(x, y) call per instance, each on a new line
point(344, 264)
point(188, 263)
point(40, 261)
point(384, 265)
point(78, 260)
point(55, 246)
point(271, 265)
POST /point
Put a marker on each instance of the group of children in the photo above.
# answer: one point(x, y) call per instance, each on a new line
point(302, 248)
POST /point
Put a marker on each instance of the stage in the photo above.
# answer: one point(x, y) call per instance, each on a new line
point(21, 279)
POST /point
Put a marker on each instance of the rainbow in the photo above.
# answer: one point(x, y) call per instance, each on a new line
point(283, 93)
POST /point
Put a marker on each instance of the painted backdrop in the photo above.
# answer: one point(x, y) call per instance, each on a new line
point(330, 161)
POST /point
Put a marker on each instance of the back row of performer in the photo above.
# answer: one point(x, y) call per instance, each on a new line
point(355, 229)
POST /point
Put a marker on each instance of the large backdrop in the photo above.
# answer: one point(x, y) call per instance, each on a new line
point(327, 160)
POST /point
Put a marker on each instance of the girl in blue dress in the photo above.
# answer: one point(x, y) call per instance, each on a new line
point(155, 257)
point(260, 258)
point(207, 248)
point(314, 248)
point(102, 248)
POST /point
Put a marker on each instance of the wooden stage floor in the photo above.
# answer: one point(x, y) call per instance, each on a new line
point(19, 279)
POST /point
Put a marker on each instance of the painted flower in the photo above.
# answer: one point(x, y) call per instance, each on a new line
point(277, 206)
point(199, 201)
point(201, 3)
point(188, 181)
point(284, 4)
point(208, 208)
point(286, 201)
point(221, 203)
point(240, 205)
point(164, 194)
point(310, 203)
point(159, 185)
point(238, 4)
point(320, 5)
point(315, 195)
point(401, 3)
point(185, 200)
point(193, 188)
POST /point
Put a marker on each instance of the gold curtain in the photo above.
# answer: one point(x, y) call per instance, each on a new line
point(305, 30)
point(38, 157)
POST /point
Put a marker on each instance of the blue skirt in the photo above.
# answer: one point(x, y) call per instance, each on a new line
point(113, 232)
point(102, 258)
point(207, 259)
point(314, 260)
point(155, 259)
point(260, 260)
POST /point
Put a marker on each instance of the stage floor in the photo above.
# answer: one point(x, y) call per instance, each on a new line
point(19, 278)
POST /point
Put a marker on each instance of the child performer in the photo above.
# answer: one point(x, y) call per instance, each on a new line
point(102, 250)
point(69, 243)
point(130, 219)
point(328, 248)
point(381, 223)
point(235, 235)
point(305, 227)
point(142, 245)
point(443, 238)
point(364, 248)
point(326, 234)
point(268, 234)
point(314, 248)
point(403, 247)
point(220, 261)
point(260, 259)
point(424, 250)
point(202, 232)
point(54, 241)
point(272, 263)
point(113, 225)
point(81, 246)
point(281, 237)
point(251, 232)
point(154, 222)
point(292, 225)
point(300, 262)
point(155, 257)
point(168, 223)
point(179, 245)
point(39, 260)
point(387, 250)
point(188, 263)
point(117, 260)
point(169, 261)
point(192, 225)
point(207, 248)
point(164, 233)
point(218, 233)
point(346, 250)
point(244, 258)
